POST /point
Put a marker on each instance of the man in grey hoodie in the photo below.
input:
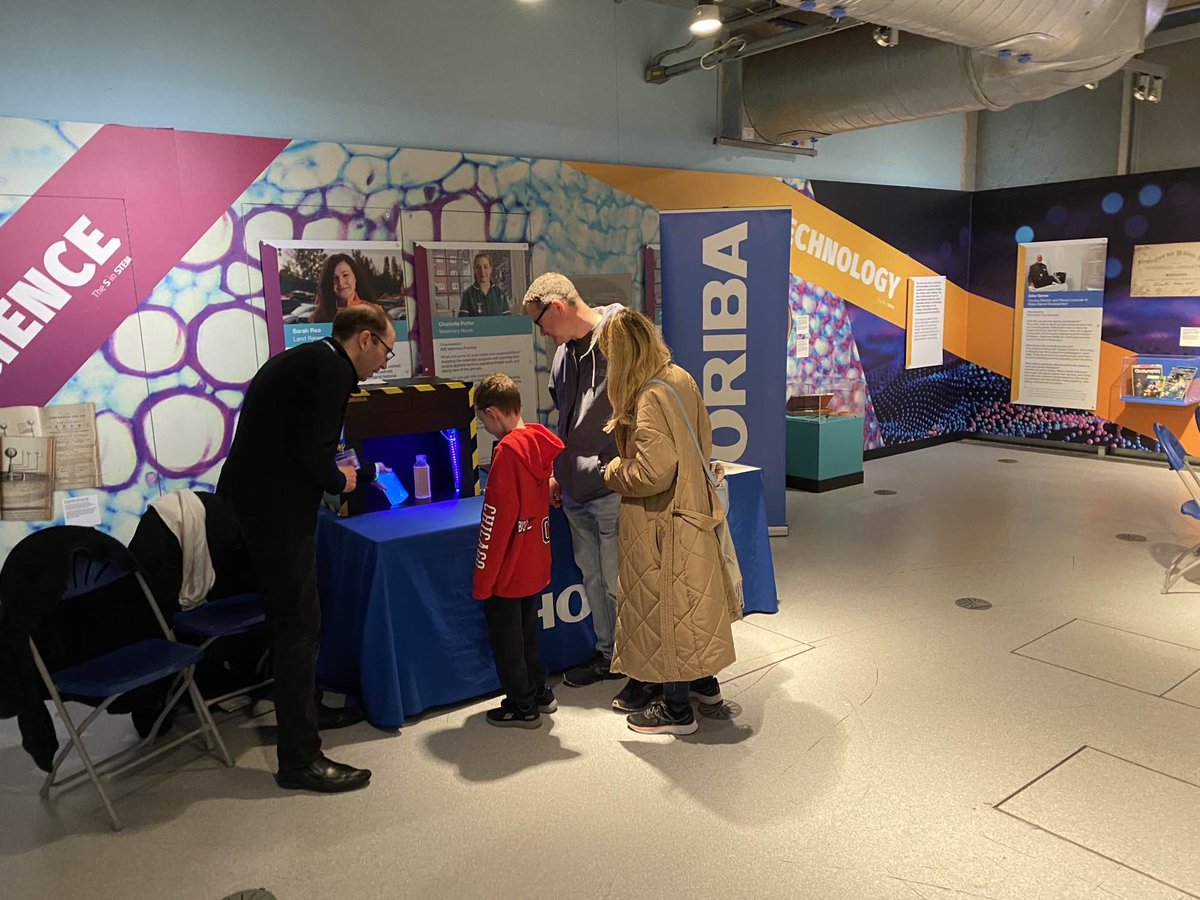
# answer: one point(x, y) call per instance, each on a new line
point(579, 388)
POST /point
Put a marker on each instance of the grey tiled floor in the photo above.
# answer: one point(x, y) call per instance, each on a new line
point(878, 727)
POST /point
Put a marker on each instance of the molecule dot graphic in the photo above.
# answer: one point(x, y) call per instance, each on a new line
point(1136, 226)
point(1149, 195)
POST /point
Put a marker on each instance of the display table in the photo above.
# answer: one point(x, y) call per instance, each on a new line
point(401, 631)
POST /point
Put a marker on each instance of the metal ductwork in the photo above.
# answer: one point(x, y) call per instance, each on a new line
point(955, 56)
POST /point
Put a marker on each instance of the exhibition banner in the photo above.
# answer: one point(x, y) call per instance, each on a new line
point(725, 316)
point(1059, 315)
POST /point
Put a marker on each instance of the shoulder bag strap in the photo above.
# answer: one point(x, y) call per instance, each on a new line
point(704, 463)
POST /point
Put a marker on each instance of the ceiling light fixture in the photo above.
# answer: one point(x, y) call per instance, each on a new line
point(886, 36)
point(1091, 85)
point(706, 20)
point(1154, 95)
point(1141, 87)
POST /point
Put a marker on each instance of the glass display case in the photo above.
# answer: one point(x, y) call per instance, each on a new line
point(828, 398)
point(1160, 380)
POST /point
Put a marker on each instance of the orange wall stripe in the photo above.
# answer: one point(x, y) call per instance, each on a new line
point(977, 329)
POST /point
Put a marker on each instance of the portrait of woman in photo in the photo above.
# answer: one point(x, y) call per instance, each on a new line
point(483, 298)
point(342, 285)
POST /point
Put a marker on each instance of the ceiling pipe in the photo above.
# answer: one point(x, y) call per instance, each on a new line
point(957, 56)
point(656, 73)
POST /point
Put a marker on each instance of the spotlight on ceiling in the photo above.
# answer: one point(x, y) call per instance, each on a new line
point(1091, 85)
point(1141, 87)
point(1154, 95)
point(886, 36)
point(706, 20)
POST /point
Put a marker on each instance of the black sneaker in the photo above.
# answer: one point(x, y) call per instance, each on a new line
point(545, 701)
point(595, 669)
point(509, 715)
point(635, 696)
point(707, 691)
point(657, 719)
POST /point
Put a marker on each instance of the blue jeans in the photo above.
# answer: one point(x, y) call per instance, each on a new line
point(594, 541)
point(678, 696)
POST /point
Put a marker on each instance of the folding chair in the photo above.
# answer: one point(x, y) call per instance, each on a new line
point(94, 560)
point(1177, 460)
point(223, 618)
point(162, 558)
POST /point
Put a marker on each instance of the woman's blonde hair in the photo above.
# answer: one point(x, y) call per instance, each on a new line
point(635, 353)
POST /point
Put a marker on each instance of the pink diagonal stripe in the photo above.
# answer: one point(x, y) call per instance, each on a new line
point(155, 191)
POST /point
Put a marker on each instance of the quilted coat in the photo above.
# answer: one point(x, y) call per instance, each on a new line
point(674, 601)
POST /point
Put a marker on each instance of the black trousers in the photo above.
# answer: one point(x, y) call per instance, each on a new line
point(513, 628)
point(286, 567)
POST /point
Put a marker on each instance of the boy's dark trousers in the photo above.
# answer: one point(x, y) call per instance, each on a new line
point(513, 628)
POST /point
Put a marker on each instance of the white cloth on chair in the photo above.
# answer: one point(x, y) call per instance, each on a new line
point(183, 513)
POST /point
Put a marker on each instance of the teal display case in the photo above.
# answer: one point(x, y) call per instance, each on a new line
point(825, 435)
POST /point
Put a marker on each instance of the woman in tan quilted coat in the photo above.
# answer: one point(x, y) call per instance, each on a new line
point(674, 600)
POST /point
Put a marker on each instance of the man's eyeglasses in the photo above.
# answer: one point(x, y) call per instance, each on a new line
point(545, 306)
point(387, 348)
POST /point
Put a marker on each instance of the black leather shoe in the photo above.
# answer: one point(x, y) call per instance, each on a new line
point(324, 776)
point(330, 717)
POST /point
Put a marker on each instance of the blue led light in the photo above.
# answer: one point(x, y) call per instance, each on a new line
point(451, 437)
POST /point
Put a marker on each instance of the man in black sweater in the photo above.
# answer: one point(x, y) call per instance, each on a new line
point(1039, 275)
point(280, 465)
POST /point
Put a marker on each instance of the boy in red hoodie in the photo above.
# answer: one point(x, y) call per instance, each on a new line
point(512, 563)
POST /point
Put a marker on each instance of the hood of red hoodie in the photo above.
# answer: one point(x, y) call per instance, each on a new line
point(536, 447)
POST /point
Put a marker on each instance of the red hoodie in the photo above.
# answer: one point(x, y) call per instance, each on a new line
point(513, 558)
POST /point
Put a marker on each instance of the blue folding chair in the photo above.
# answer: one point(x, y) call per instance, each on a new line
point(162, 556)
point(94, 560)
point(223, 618)
point(1177, 460)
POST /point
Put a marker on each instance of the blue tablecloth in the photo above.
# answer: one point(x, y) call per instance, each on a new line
point(401, 631)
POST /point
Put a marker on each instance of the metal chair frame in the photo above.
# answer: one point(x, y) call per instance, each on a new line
point(1177, 460)
point(236, 692)
point(184, 682)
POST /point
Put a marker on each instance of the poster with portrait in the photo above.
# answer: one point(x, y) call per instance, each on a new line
point(309, 282)
point(472, 294)
point(1059, 313)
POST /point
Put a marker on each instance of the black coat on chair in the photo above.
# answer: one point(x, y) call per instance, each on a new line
point(33, 582)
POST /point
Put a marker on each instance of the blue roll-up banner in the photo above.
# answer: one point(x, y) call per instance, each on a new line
point(725, 315)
